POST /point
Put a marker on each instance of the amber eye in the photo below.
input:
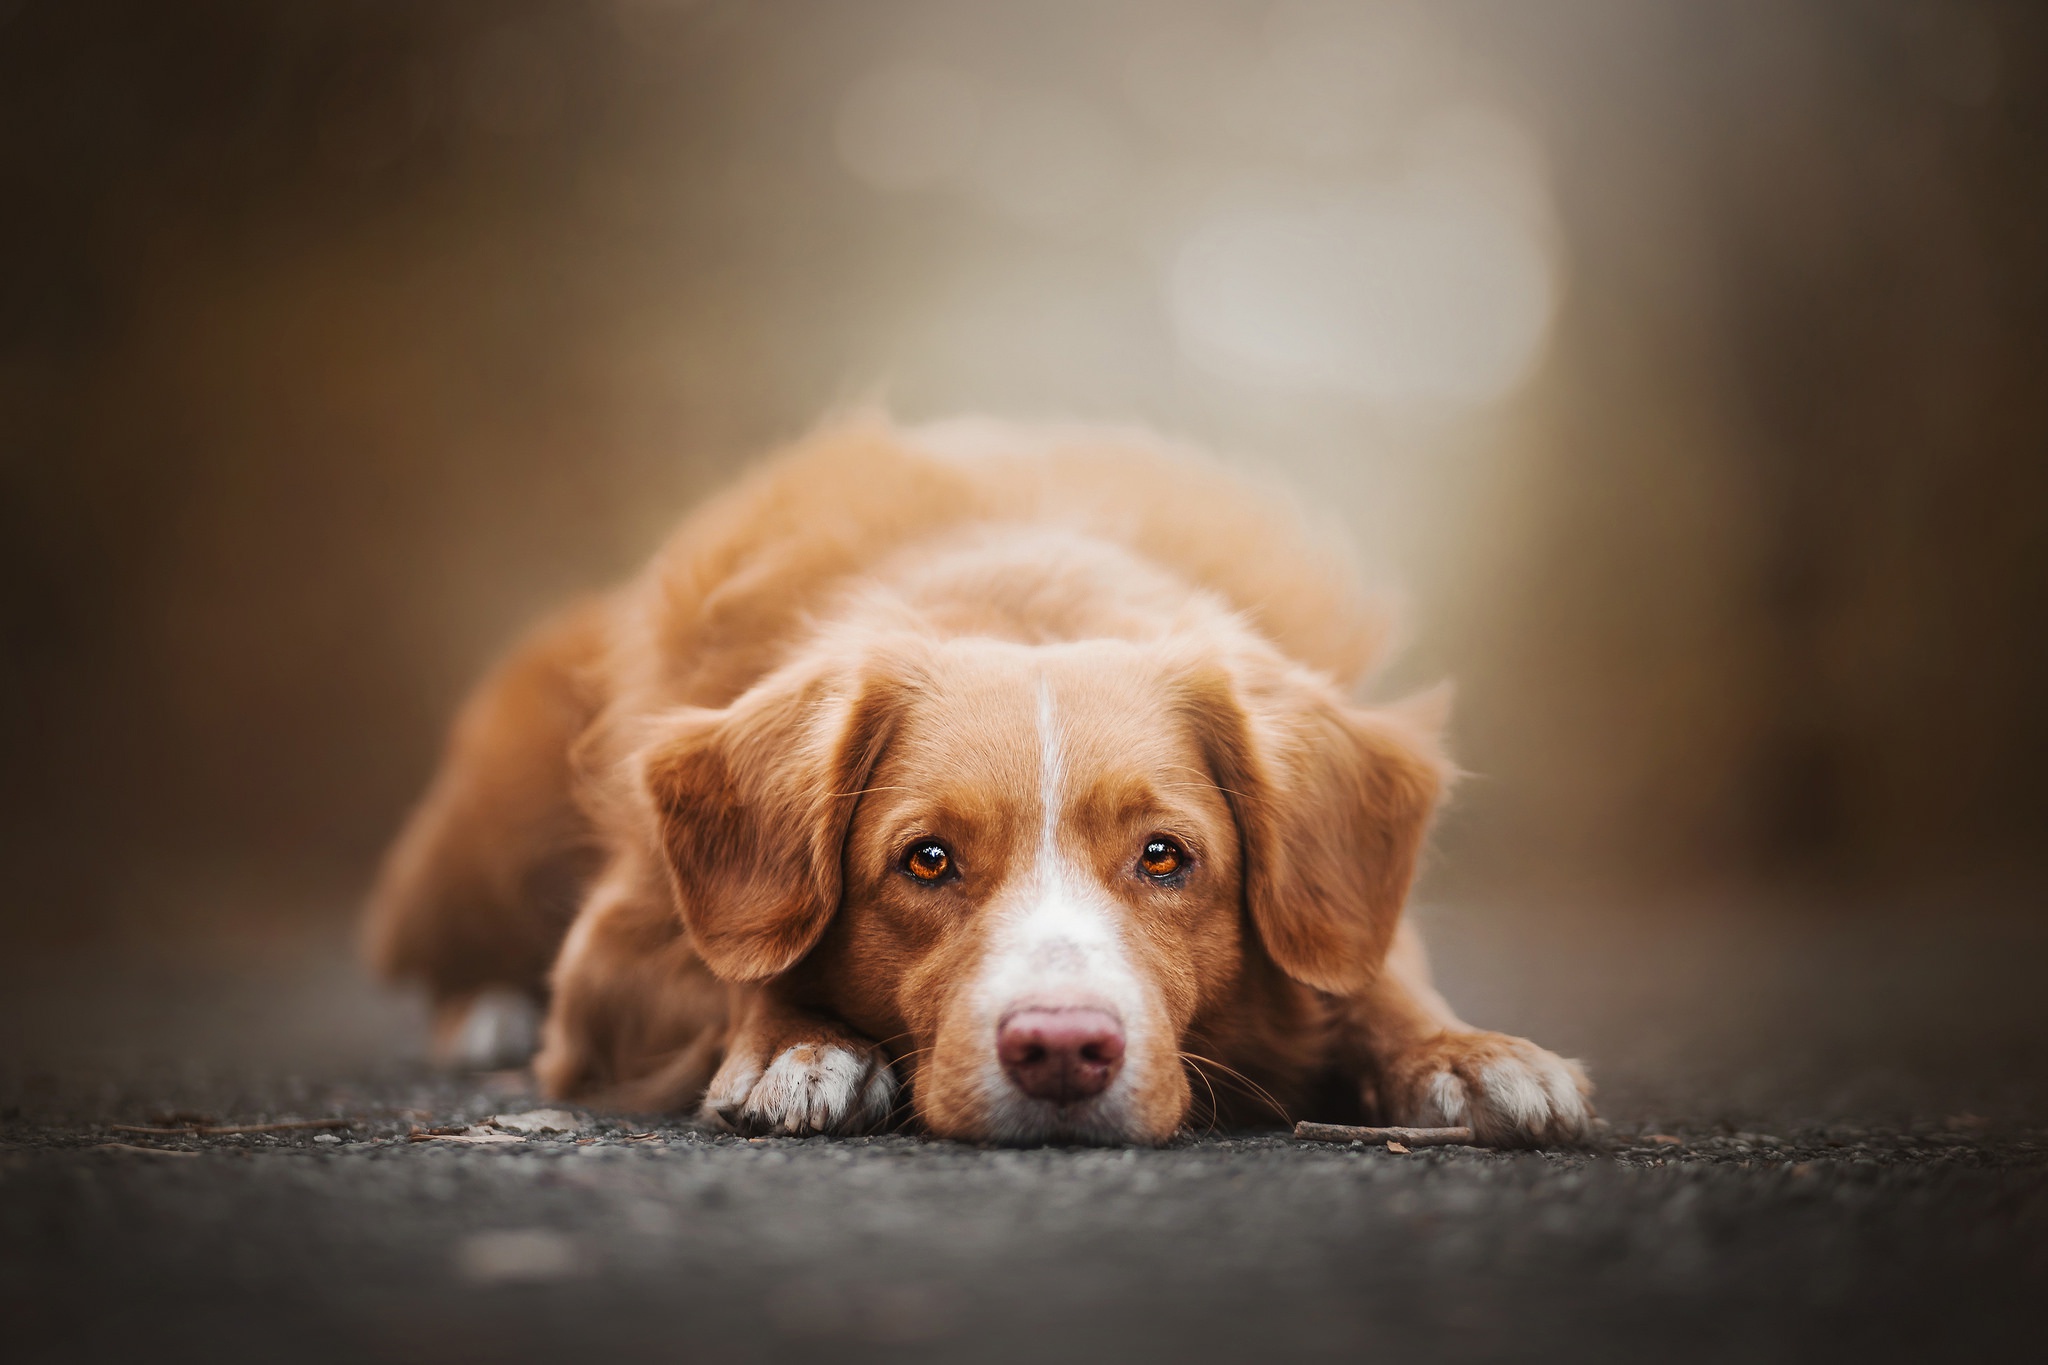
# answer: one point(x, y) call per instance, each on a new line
point(928, 862)
point(1162, 857)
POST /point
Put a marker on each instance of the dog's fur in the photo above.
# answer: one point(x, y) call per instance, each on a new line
point(679, 813)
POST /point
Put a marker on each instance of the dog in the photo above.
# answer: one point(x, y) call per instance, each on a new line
point(1000, 783)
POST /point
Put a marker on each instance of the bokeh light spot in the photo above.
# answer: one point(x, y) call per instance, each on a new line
point(1437, 286)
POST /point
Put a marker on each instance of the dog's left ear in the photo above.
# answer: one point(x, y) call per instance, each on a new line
point(751, 806)
point(1333, 803)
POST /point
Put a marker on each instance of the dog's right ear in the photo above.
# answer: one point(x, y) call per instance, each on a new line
point(1332, 802)
point(752, 804)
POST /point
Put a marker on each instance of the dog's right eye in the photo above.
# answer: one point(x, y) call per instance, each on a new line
point(928, 861)
point(1162, 857)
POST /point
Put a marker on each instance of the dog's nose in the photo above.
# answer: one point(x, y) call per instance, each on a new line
point(1061, 1055)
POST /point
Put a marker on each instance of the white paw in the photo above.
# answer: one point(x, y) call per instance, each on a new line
point(1508, 1090)
point(808, 1088)
point(501, 1028)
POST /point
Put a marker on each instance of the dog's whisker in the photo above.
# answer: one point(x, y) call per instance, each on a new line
point(1215, 1109)
point(1252, 1087)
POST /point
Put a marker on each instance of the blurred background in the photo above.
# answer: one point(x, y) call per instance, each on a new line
point(1684, 365)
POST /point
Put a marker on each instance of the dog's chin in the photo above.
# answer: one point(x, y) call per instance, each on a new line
point(1014, 1119)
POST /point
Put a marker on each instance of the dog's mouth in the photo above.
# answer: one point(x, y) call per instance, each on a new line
point(993, 1110)
point(1102, 1121)
point(1109, 1117)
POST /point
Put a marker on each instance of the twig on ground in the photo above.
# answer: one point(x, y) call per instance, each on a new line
point(146, 1151)
point(459, 1135)
point(223, 1130)
point(1407, 1137)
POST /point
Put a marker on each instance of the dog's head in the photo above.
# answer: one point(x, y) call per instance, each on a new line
point(1029, 869)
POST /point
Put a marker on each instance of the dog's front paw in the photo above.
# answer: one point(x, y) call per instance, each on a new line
point(1511, 1092)
point(806, 1088)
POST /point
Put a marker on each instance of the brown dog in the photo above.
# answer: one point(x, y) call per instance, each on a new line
point(1004, 780)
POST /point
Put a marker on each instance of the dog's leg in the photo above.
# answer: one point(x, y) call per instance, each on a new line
point(478, 889)
point(637, 1019)
point(791, 1071)
point(1430, 1068)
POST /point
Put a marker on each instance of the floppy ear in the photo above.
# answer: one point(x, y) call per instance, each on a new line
point(751, 805)
point(1332, 802)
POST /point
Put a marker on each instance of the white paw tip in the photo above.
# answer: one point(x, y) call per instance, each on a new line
point(1447, 1093)
point(502, 1029)
point(1515, 1091)
point(818, 1089)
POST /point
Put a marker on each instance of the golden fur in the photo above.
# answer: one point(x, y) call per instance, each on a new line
point(678, 813)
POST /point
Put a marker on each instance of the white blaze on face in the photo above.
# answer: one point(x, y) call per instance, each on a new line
point(1052, 779)
point(1057, 944)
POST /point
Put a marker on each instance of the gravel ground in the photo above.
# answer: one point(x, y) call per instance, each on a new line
point(1827, 1141)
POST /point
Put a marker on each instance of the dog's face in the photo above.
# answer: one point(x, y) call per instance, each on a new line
point(1030, 870)
point(1041, 884)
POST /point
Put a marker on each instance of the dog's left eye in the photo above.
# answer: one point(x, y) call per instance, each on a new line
point(1162, 857)
point(928, 862)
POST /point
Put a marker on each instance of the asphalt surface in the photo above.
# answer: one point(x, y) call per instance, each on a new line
point(1829, 1140)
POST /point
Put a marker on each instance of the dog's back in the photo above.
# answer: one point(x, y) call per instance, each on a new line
point(745, 571)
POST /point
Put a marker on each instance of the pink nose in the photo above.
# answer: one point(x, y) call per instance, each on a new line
point(1061, 1055)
